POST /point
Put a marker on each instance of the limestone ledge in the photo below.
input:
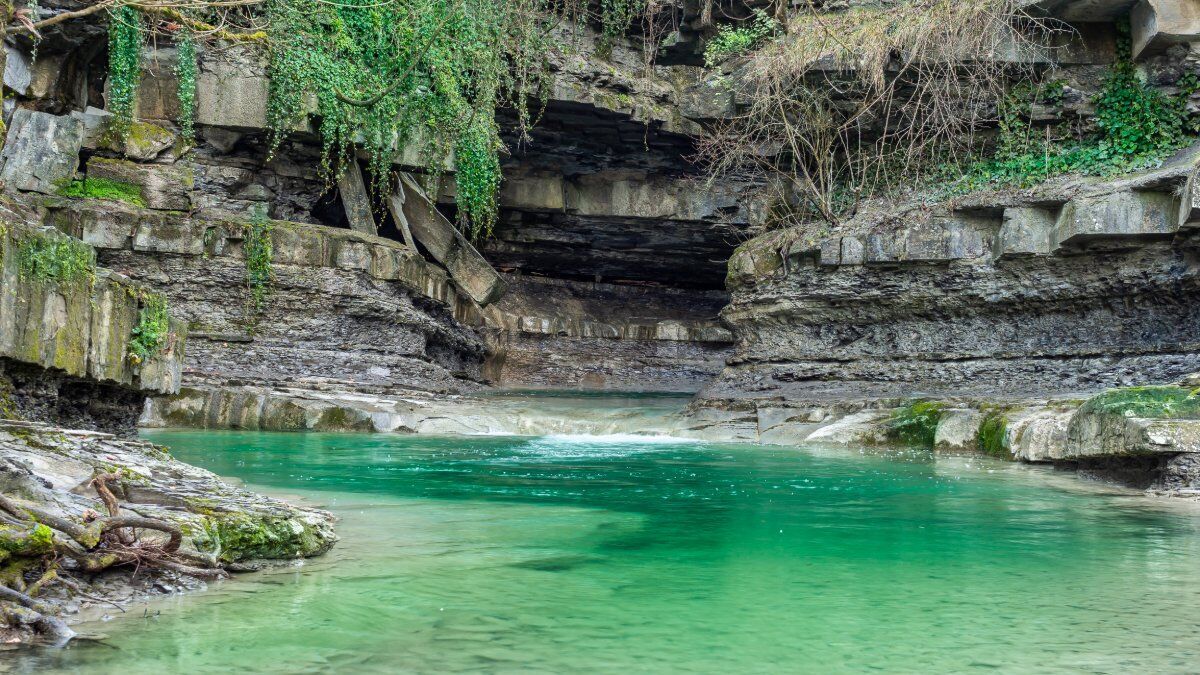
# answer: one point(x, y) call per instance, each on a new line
point(81, 327)
point(114, 225)
point(1053, 220)
point(53, 467)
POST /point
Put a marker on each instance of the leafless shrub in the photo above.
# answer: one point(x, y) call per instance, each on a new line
point(850, 104)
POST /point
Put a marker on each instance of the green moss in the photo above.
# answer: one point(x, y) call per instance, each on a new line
point(44, 258)
point(1167, 402)
point(992, 436)
point(8, 403)
point(916, 423)
point(104, 188)
point(237, 536)
point(26, 542)
point(1138, 127)
point(734, 40)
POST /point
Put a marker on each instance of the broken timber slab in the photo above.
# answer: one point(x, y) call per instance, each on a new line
point(470, 271)
point(356, 201)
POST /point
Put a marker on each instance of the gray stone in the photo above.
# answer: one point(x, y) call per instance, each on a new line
point(831, 252)
point(35, 79)
point(1121, 214)
point(17, 74)
point(853, 252)
point(158, 90)
point(957, 430)
point(867, 427)
point(1189, 202)
point(447, 245)
point(1158, 24)
point(1039, 435)
point(1093, 435)
point(534, 193)
point(1025, 231)
point(355, 200)
point(232, 89)
point(41, 153)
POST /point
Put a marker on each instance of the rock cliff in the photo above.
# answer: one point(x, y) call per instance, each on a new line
point(616, 263)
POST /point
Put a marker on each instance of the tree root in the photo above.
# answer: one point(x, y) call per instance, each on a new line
point(97, 544)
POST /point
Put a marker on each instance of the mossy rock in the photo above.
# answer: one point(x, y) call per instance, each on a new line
point(1159, 402)
point(237, 537)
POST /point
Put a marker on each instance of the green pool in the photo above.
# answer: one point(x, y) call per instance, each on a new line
point(619, 554)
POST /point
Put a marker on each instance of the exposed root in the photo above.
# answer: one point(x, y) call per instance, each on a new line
point(94, 545)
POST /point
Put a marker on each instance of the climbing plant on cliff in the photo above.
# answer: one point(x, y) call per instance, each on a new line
point(149, 336)
point(258, 251)
point(124, 66)
point(185, 73)
point(425, 72)
point(1137, 126)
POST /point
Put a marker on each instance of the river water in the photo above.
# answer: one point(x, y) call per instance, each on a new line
point(620, 554)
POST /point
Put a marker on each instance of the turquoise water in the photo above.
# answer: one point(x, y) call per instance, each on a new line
point(617, 555)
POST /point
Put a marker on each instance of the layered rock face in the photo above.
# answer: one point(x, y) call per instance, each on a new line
point(1061, 290)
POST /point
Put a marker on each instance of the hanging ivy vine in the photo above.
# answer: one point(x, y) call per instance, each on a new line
point(429, 73)
point(124, 66)
point(382, 77)
point(185, 73)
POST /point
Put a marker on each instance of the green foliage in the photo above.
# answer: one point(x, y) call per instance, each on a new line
point(124, 66)
point(1159, 402)
point(478, 176)
point(735, 40)
point(43, 258)
point(1138, 126)
point(992, 436)
point(150, 334)
point(104, 188)
point(185, 73)
point(258, 252)
point(916, 423)
point(616, 16)
point(428, 72)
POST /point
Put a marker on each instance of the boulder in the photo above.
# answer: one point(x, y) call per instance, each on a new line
point(1039, 435)
point(470, 271)
point(232, 92)
point(41, 153)
point(957, 430)
point(355, 200)
point(144, 142)
point(867, 427)
point(1096, 434)
point(32, 78)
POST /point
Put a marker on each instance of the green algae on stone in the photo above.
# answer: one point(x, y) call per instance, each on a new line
point(105, 188)
point(916, 423)
point(992, 436)
point(1162, 402)
point(238, 537)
